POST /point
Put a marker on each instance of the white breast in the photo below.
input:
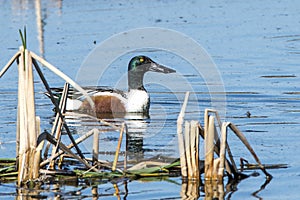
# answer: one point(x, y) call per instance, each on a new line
point(138, 101)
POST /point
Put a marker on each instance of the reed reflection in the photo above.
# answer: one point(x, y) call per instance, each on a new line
point(216, 190)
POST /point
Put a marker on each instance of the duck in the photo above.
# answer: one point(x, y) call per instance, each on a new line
point(109, 101)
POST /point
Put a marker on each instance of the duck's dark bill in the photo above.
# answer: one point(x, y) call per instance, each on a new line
point(161, 69)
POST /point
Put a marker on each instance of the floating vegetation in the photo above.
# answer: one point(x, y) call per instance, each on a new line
point(8, 170)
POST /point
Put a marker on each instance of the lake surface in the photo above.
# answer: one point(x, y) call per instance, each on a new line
point(255, 47)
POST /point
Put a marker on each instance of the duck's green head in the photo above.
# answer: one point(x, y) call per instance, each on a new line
point(138, 66)
point(144, 64)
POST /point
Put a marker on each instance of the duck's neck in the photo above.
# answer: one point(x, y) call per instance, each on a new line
point(138, 100)
point(135, 81)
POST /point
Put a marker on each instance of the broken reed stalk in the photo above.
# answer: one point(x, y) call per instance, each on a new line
point(37, 155)
point(56, 129)
point(26, 121)
point(214, 168)
point(58, 121)
point(223, 150)
point(180, 120)
point(209, 147)
point(20, 125)
point(192, 149)
point(218, 164)
point(231, 168)
point(191, 143)
point(31, 116)
point(60, 152)
point(46, 136)
point(126, 147)
point(241, 136)
point(10, 62)
point(95, 147)
point(114, 166)
point(187, 144)
point(195, 149)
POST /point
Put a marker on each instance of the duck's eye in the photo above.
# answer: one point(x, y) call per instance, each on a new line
point(142, 60)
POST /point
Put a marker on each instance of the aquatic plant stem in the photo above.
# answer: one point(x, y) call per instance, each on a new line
point(10, 62)
point(60, 152)
point(114, 166)
point(181, 146)
point(58, 125)
point(241, 136)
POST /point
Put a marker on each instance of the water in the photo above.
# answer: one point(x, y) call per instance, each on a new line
point(254, 45)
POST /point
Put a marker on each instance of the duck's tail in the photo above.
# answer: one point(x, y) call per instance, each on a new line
point(56, 93)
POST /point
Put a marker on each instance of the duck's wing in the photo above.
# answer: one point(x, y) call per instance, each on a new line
point(97, 90)
point(91, 91)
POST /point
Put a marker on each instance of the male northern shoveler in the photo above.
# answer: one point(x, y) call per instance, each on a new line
point(110, 101)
